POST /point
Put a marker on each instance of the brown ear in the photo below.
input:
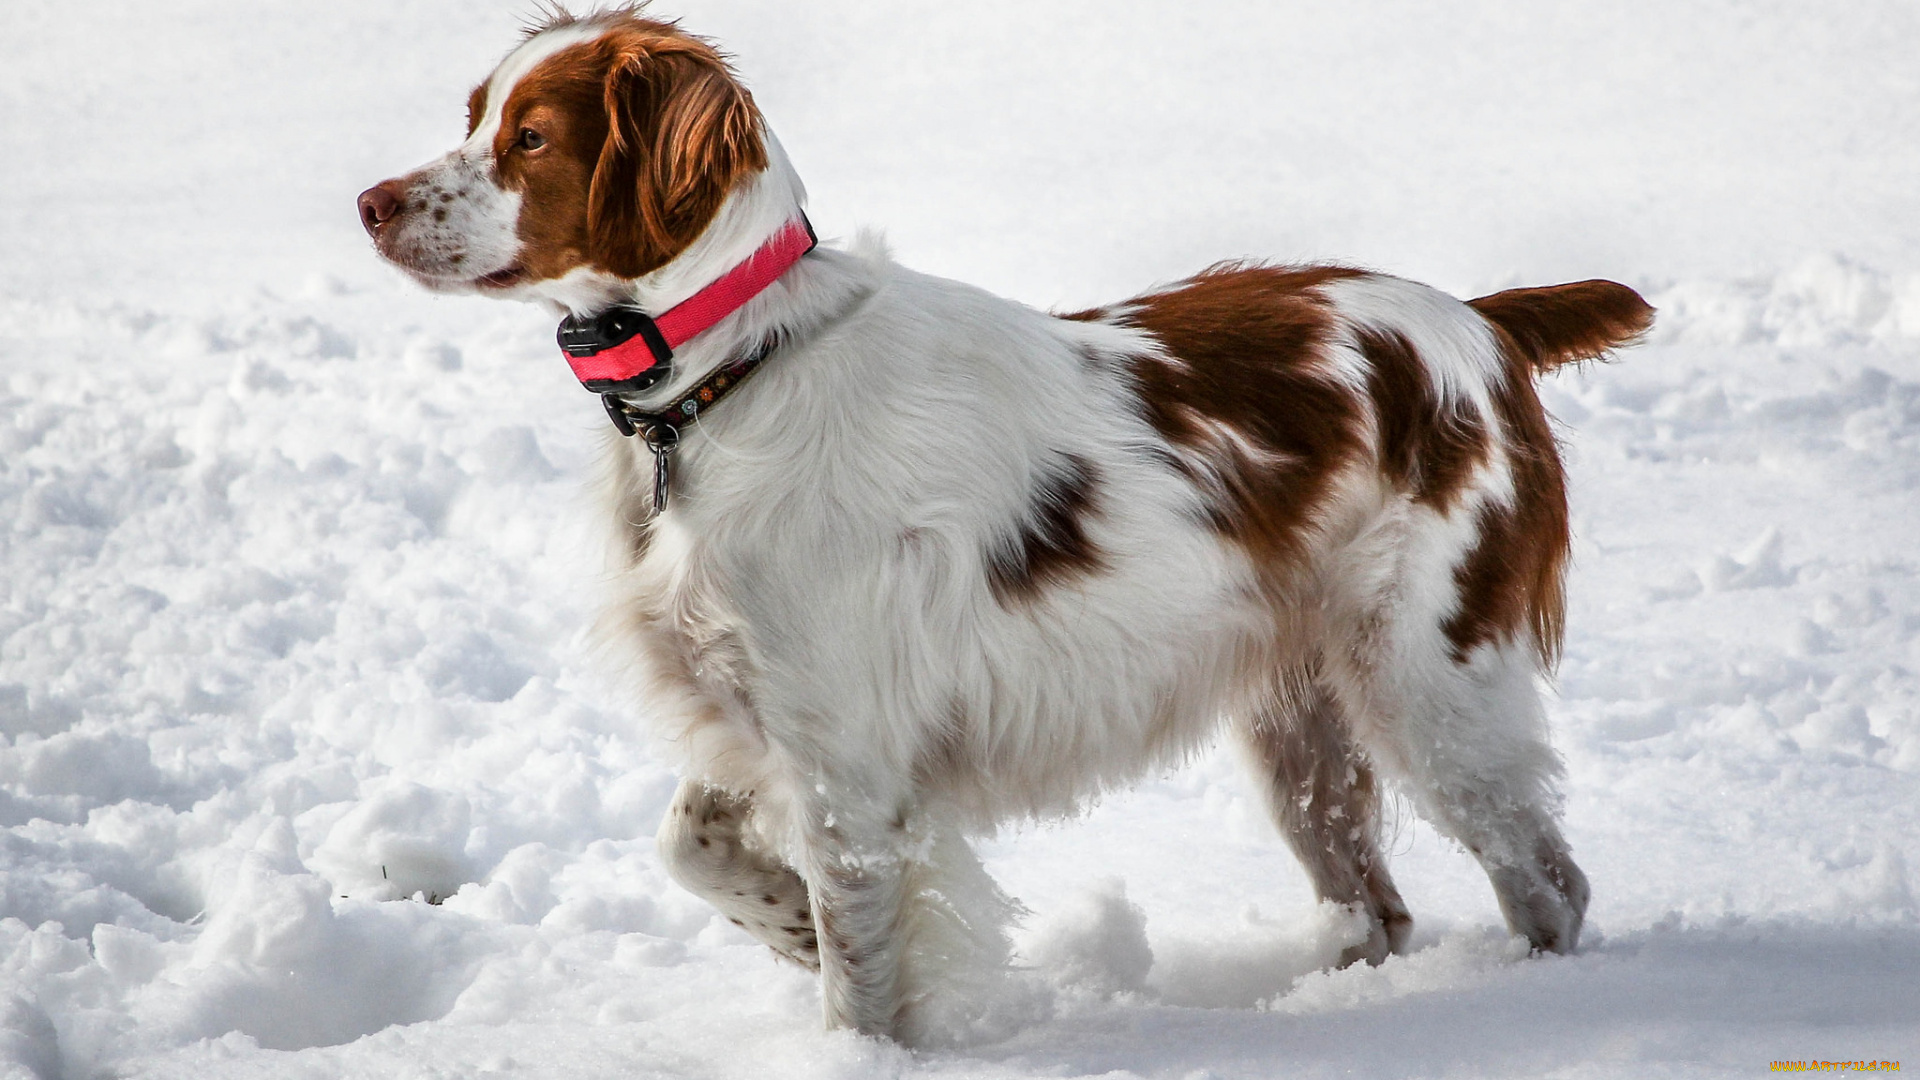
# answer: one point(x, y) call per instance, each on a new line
point(681, 133)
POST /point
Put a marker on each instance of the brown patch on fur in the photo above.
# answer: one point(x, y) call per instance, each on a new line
point(560, 99)
point(1244, 345)
point(476, 107)
point(682, 133)
point(1558, 324)
point(1051, 546)
point(1514, 579)
point(646, 133)
point(1426, 447)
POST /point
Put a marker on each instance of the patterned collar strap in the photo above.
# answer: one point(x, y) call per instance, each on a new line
point(686, 408)
point(661, 430)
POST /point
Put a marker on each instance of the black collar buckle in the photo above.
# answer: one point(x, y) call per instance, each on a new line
point(609, 332)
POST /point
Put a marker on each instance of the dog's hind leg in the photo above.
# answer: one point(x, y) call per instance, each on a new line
point(1321, 792)
point(1469, 740)
point(1502, 801)
point(706, 850)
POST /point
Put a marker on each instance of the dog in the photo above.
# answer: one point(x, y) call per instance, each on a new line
point(900, 561)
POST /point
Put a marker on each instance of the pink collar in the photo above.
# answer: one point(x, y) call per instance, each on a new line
point(623, 350)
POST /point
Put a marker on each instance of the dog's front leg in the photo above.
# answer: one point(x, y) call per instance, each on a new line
point(709, 850)
point(855, 867)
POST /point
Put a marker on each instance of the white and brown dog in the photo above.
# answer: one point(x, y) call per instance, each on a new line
point(945, 561)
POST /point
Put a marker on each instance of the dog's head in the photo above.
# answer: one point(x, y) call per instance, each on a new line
point(601, 148)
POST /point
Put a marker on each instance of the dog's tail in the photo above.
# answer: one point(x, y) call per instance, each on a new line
point(1560, 324)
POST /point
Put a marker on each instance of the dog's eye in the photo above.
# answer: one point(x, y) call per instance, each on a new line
point(531, 139)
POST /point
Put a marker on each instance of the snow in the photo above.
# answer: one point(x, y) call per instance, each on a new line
point(296, 564)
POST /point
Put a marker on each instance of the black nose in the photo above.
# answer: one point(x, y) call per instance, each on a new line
point(379, 204)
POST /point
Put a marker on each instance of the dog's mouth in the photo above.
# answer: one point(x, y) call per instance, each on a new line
point(502, 279)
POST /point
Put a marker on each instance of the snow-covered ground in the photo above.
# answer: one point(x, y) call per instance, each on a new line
point(295, 560)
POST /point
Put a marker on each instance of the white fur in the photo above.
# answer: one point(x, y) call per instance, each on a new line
point(817, 637)
point(477, 235)
point(516, 66)
point(1456, 348)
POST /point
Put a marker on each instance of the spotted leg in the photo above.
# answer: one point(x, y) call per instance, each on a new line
point(707, 850)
